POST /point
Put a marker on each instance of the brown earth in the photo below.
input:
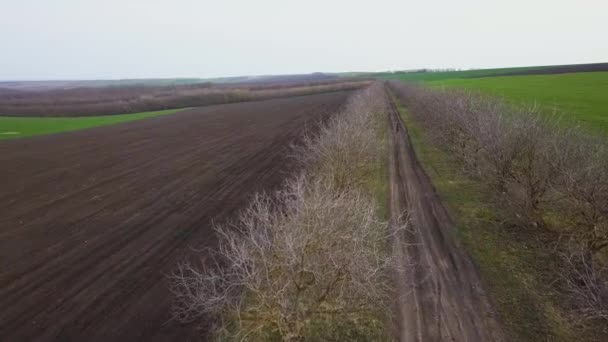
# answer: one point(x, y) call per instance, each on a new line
point(92, 221)
point(440, 295)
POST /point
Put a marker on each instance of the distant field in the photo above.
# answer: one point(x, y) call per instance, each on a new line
point(443, 75)
point(577, 92)
point(17, 127)
point(430, 75)
point(81, 102)
point(582, 96)
point(159, 82)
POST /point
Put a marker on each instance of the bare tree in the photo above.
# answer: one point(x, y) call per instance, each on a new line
point(503, 145)
point(321, 258)
point(584, 282)
point(582, 170)
point(348, 149)
point(311, 261)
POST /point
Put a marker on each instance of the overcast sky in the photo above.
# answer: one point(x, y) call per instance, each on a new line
point(107, 39)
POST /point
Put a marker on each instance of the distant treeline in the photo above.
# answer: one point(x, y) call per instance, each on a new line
point(140, 98)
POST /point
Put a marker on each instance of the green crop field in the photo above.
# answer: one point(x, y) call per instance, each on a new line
point(17, 127)
point(581, 96)
point(443, 75)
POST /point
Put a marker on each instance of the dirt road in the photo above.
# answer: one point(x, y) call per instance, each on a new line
point(440, 295)
point(91, 221)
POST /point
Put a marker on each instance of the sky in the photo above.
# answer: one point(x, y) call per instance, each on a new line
point(116, 39)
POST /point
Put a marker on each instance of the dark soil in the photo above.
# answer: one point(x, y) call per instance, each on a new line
point(92, 221)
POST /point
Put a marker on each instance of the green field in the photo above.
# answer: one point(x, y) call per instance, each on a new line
point(17, 127)
point(444, 75)
point(579, 96)
point(582, 96)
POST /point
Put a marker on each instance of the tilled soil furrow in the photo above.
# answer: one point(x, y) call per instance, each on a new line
point(97, 218)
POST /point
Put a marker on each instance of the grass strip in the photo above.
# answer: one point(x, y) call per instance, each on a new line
point(19, 127)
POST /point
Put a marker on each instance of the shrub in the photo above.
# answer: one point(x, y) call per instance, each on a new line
point(319, 259)
point(347, 149)
point(507, 147)
point(310, 262)
point(584, 282)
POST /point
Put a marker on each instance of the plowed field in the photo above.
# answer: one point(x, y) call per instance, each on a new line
point(91, 221)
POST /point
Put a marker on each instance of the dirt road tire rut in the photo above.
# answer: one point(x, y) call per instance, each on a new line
point(441, 297)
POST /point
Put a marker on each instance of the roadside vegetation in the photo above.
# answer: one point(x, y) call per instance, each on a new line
point(19, 127)
point(311, 261)
point(530, 200)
